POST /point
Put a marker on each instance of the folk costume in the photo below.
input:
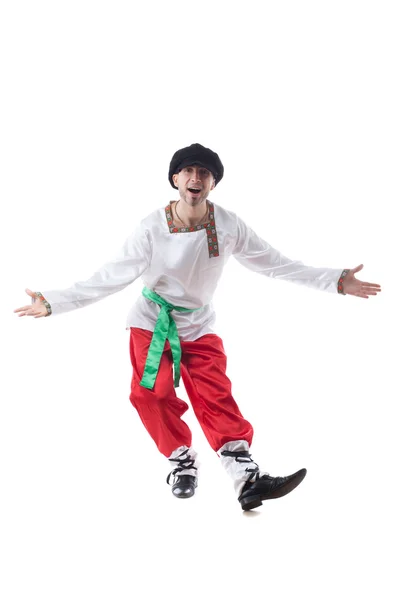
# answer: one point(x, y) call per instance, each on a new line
point(173, 336)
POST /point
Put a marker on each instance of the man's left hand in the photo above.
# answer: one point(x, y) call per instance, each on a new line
point(355, 287)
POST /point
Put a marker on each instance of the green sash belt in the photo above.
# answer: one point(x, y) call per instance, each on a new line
point(165, 329)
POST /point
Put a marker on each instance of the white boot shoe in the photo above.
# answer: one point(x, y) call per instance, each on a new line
point(237, 461)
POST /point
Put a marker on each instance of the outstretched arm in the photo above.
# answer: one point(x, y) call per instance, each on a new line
point(132, 260)
point(256, 254)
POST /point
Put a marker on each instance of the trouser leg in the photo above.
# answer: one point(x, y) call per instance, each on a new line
point(209, 389)
point(159, 409)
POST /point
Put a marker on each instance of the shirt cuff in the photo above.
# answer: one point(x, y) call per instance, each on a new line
point(340, 282)
point(44, 301)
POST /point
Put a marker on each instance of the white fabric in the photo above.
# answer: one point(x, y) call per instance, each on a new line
point(177, 266)
point(237, 469)
point(191, 455)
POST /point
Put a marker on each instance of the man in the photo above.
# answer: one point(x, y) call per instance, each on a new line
point(180, 252)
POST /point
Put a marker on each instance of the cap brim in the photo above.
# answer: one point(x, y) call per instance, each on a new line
point(190, 162)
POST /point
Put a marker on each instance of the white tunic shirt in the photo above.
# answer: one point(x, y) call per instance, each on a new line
point(184, 266)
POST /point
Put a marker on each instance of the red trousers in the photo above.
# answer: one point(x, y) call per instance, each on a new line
point(203, 371)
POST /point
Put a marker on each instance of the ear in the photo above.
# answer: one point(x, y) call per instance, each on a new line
point(175, 178)
point(213, 184)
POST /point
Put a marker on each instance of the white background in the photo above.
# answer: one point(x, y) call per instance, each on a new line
point(301, 101)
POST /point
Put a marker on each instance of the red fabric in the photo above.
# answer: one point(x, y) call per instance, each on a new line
point(203, 371)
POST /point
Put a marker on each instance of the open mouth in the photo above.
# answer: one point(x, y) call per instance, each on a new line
point(194, 190)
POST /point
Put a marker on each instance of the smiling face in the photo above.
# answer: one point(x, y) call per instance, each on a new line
point(194, 184)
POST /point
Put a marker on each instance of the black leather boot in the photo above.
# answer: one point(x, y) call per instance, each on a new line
point(260, 486)
point(183, 486)
point(266, 488)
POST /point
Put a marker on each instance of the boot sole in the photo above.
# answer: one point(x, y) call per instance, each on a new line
point(257, 499)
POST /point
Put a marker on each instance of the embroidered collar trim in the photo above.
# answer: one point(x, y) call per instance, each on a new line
point(210, 227)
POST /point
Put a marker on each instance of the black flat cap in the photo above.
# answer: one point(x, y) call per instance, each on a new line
point(196, 154)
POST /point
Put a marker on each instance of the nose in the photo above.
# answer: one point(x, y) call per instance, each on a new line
point(196, 174)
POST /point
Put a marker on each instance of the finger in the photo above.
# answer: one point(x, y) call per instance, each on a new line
point(366, 294)
point(29, 312)
point(368, 289)
point(28, 307)
point(30, 293)
point(371, 285)
point(22, 308)
point(356, 269)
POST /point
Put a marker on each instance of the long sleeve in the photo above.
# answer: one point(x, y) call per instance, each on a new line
point(256, 254)
point(129, 264)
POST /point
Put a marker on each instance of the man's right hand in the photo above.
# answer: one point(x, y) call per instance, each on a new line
point(36, 310)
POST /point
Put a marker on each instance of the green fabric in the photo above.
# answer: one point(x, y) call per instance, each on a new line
point(164, 330)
